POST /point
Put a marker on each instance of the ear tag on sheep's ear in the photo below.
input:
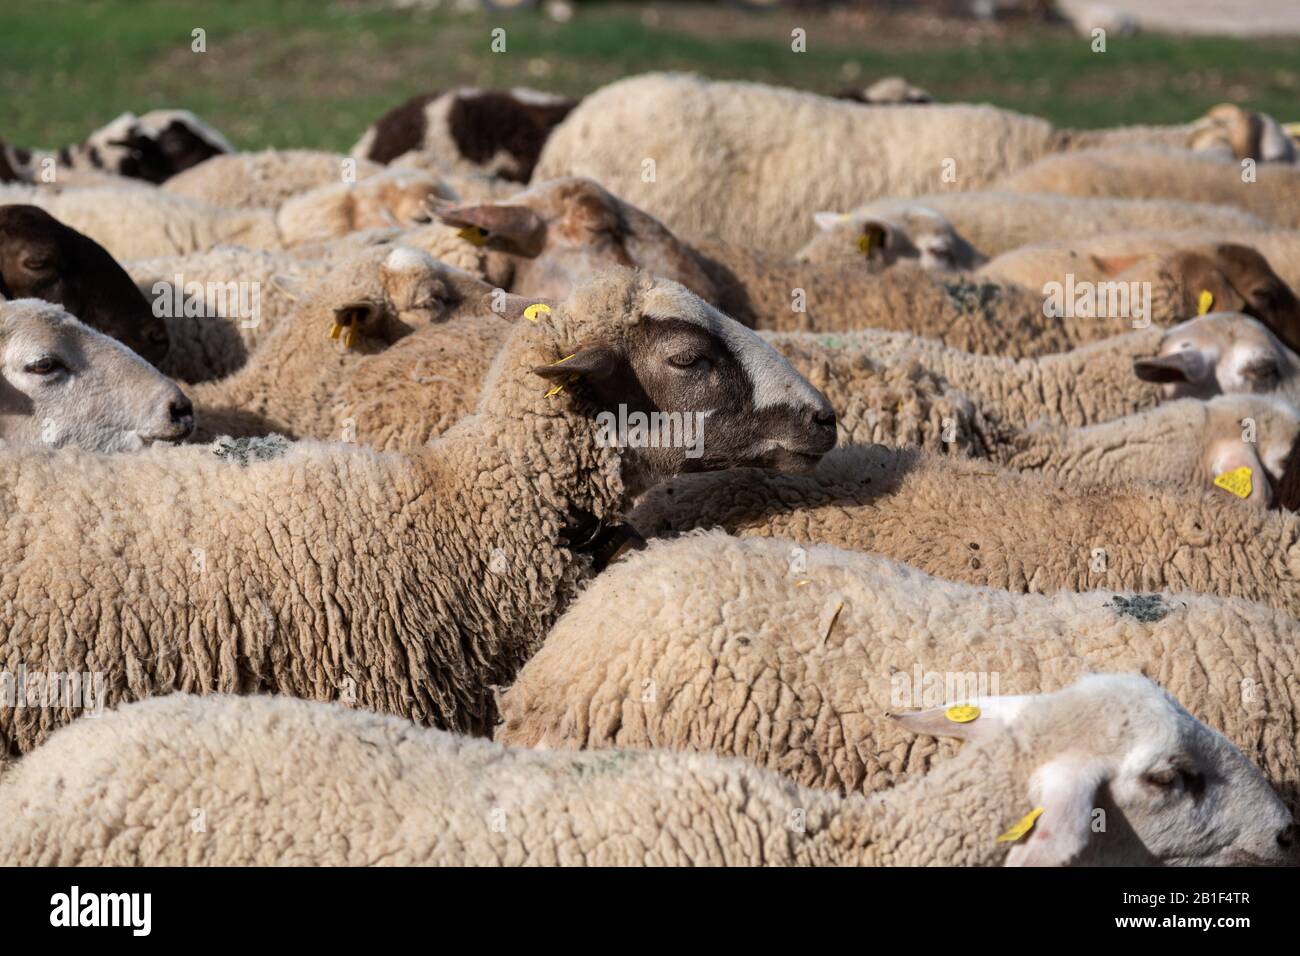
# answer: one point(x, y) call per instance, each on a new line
point(337, 330)
point(1205, 302)
point(349, 337)
point(474, 235)
point(1237, 481)
point(962, 713)
point(1022, 826)
point(537, 308)
point(865, 242)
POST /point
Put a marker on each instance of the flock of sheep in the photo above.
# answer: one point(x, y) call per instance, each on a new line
point(632, 480)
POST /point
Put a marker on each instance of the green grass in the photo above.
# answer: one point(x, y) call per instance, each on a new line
point(300, 73)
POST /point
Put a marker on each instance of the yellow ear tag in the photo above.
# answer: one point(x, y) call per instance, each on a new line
point(1291, 129)
point(334, 332)
point(555, 391)
point(473, 235)
point(1021, 826)
point(350, 337)
point(1205, 302)
point(865, 242)
point(537, 308)
point(962, 713)
point(1237, 481)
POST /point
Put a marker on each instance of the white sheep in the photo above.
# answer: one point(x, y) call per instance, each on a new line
point(750, 163)
point(791, 656)
point(62, 384)
point(409, 583)
point(284, 781)
point(265, 179)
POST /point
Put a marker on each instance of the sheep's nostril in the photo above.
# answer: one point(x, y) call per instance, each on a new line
point(1289, 836)
point(825, 418)
point(180, 409)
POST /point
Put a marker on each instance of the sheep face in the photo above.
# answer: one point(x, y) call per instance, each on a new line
point(897, 233)
point(42, 258)
point(738, 401)
point(1255, 432)
point(1220, 353)
point(1125, 776)
point(563, 230)
point(63, 383)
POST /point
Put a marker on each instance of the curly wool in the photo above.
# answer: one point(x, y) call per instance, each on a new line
point(265, 179)
point(410, 584)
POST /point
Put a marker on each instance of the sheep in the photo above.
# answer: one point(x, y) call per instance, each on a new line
point(1187, 443)
point(266, 179)
point(1241, 134)
point(1270, 192)
point(791, 657)
point(130, 227)
point(965, 311)
point(1221, 353)
point(269, 787)
point(990, 223)
point(63, 384)
point(151, 148)
point(749, 162)
point(41, 257)
point(407, 583)
point(974, 522)
point(499, 132)
point(1093, 383)
point(298, 376)
point(891, 232)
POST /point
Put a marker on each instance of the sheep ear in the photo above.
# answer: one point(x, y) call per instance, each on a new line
point(1187, 365)
point(295, 287)
point(872, 239)
point(1066, 790)
point(519, 224)
point(1236, 469)
point(593, 363)
point(826, 220)
point(992, 716)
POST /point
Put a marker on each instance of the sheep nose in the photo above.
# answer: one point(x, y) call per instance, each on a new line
point(1289, 836)
point(825, 418)
point(181, 409)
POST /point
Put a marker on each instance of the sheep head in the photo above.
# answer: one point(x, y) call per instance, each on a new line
point(629, 354)
point(1146, 784)
point(63, 383)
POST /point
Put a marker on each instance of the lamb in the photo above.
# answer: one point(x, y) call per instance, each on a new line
point(1091, 384)
point(166, 225)
point(749, 162)
point(271, 794)
point(298, 375)
point(990, 223)
point(792, 657)
point(406, 583)
point(1273, 194)
point(151, 148)
point(62, 384)
point(971, 521)
point(41, 257)
point(1242, 134)
point(498, 132)
point(265, 179)
point(887, 91)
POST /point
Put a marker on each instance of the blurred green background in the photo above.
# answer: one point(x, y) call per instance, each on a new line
point(302, 73)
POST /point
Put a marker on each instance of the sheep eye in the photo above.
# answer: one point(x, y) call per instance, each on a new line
point(46, 365)
point(1162, 779)
point(688, 360)
point(37, 265)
